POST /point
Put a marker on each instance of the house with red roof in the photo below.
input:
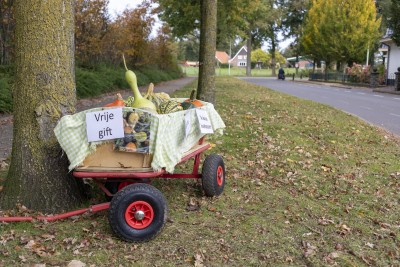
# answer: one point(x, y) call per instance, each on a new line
point(221, 57)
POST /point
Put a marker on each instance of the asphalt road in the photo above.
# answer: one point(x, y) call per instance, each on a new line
point(379, 109)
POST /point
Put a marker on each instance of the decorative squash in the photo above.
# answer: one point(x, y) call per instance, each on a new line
point(139, 101)
point(117, 103)
point(192, 102)
point(169, 107)
point(156, 98)
point(129, 101)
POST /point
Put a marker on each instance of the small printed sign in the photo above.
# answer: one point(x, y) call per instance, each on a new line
point(204, 121)
point(104, 125)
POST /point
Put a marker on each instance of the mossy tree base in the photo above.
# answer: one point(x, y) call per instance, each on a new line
point(44, 91)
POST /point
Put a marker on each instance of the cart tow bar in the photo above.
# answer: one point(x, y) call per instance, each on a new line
point(49, 218)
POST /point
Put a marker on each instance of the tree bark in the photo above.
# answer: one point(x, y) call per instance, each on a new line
point(248, 59)
point(208, 42)
point(44, 91)
point(273, 58)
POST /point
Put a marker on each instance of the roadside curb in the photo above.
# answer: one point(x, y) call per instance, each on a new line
point(384, 90)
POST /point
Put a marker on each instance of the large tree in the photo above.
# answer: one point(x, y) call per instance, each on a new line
point(393, 21)
point(294, 13)
point(208, 42)
point(341, 30)
point(44, 91)
point(6, 31)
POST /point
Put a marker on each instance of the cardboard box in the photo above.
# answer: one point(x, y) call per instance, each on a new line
point(106, 157)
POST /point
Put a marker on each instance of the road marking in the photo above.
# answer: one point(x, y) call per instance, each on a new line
point(366, 107)
point(378, 95)
point(397, 98)
point(361, 93)
point(397, 115)
point(347, 91)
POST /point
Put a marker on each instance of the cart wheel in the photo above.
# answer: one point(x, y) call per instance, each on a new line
point(213, 175)
point(114, 187)
point(137, 213)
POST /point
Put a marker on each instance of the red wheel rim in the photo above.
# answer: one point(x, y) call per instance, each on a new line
point(220, 175)
point(139, 215)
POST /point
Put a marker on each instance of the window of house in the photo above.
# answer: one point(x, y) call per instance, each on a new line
point(242, 63)
point(240, 57)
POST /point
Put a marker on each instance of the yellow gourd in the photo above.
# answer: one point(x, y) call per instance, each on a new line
point(139, 100)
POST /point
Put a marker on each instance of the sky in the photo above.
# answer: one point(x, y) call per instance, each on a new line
point(117, 6)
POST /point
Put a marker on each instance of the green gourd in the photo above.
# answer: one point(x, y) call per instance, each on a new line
point(169, 107)
point(156, 98)
point(139, 100)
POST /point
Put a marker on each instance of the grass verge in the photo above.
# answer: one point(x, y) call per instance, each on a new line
point(307, 185)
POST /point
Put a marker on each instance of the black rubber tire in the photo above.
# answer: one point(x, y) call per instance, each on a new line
point(213, 175)
point(127, 196)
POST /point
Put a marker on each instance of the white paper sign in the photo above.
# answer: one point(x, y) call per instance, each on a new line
point(104, 125)
point(188, 123)
point(204, 121)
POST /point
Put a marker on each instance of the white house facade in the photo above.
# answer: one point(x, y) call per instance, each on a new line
point(391, 55)
point(240, 59)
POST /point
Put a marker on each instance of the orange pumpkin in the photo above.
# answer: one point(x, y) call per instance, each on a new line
point(119, 102)
point(192, 102)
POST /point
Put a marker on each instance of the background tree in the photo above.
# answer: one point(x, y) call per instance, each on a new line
point(393, 21)
point(45, 90)
point(259, 55)
point(91, 23)
point(130, 34)
point(7, 24)
point(208, 42)
point(189, 48)
point(341, 31)
point(165, 49)
point(294, 13)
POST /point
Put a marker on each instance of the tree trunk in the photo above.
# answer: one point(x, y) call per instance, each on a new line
point(208, 42)
point(273, 58)
point(44, 91)
point(248, 59)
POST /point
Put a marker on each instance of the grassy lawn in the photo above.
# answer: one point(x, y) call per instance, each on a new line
point(194, 71)
point(307, 185)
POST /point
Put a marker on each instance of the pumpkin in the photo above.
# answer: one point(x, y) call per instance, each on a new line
point(119, 102)
point(169, 107)
point(192, 102)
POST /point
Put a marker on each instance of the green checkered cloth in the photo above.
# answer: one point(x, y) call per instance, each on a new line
point(168, 141)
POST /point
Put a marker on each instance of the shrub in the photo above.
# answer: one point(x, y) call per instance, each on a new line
point(5, 95)
point(92, 81)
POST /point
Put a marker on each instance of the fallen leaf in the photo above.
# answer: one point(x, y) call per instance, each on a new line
point(370, 245)
point(76, 263)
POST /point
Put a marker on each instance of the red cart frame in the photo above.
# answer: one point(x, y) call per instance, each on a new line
point(135, 227)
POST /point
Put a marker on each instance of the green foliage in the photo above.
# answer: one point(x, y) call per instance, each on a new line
point(5, 96)
point(394, 21)
point(259, 55)
point(341, 30)
point(6, 74)
point(93, 81)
